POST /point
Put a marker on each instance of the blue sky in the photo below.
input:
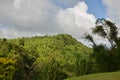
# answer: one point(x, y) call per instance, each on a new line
point(97, 8)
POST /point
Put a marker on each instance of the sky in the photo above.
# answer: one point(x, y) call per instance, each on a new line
point(97, 8)
point(25, 18)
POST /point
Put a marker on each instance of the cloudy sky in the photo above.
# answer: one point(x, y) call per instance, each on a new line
point(20, 18)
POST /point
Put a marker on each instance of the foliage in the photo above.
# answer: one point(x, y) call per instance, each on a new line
point(7, 69)
point(106, 58)
point(47, 57)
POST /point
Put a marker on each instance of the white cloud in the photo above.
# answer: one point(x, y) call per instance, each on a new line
point(76, 20)
point(13, 33)
point(33, 17)
point(113, 10)
point(28, 15)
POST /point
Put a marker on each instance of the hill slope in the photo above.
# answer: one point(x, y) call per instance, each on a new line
point(52, 57)
point(59, 42)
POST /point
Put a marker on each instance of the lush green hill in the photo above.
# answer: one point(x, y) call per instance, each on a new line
point(58, 42)
point(100, 76)
point(47, 57)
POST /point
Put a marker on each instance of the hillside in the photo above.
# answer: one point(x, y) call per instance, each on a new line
point(46, 57)
point(100, 76)
point(57, 41)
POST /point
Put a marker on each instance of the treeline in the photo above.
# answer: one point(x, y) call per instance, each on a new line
point(43, 58)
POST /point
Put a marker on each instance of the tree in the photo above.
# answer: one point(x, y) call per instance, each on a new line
point(25, 63)
point(108, 59)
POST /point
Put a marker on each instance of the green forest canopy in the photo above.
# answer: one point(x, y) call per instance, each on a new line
point(45, 57)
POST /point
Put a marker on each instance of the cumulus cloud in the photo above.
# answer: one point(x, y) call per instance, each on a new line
point(113, 10)
point(39, 17)
point(28, 15)
point(76, 20)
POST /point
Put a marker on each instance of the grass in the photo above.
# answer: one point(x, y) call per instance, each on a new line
point(100, 76)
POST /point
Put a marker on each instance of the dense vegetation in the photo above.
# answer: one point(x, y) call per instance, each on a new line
point(43, 58)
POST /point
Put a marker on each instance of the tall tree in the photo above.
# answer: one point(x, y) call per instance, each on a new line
point(108, 59)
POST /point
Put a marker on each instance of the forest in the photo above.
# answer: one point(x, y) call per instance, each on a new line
point(61, 56)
